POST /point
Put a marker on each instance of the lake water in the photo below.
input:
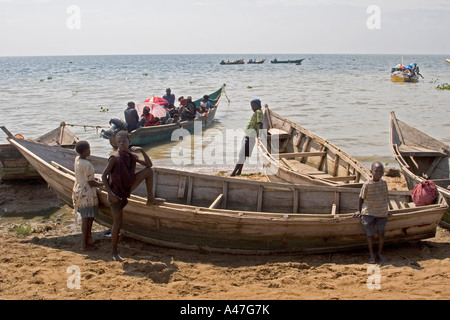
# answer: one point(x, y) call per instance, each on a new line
point(346, 99)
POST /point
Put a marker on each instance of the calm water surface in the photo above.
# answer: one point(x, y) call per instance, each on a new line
point(346, 99)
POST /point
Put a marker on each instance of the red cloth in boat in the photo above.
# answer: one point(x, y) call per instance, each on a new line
point(425, 193)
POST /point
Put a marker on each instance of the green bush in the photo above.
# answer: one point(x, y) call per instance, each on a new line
point(443, 86)
point(22, 229)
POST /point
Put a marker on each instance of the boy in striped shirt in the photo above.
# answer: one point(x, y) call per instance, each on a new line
point(374, 209)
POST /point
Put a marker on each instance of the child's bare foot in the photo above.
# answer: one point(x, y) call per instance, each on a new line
point(155, 201)
point(116, 257)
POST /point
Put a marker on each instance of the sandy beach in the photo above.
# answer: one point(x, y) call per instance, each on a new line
point(40, 252)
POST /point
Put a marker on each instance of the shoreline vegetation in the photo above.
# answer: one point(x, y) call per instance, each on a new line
point(39, 241)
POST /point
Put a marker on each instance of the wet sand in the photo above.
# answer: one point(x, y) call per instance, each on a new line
point(34, 265)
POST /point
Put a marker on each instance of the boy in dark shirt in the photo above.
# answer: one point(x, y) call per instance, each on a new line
point(120, 179)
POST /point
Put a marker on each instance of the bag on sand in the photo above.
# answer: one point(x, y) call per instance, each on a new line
point(424, 193)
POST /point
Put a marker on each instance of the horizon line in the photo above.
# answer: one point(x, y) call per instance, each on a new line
point(211, 54)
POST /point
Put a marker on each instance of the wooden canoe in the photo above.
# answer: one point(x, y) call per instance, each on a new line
point(15, 166)
point(305, 158)
point(233, 62)
point(148, 135)
point(256, 61)
point(230, 215)
point(421, 157)
point(287, 61)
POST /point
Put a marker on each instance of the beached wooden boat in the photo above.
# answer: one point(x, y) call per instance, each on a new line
point(148, 135)
point(15, 166)
point(230, 215)
point(256, 61)
point(299, 61)
point(296, 155)
point(421, 157)
point(233, 62)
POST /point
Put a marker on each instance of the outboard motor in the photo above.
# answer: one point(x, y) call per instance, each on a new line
point(116, 126)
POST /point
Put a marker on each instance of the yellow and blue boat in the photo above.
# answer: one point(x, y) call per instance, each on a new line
point(409, 73)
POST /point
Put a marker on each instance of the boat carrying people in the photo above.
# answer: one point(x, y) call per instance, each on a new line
point(409, 73)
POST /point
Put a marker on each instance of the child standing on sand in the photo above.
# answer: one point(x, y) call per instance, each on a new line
point(374, 210)
point(120, 179)
point(84, 195)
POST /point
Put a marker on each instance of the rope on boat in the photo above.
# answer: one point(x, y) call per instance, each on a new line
point(63, 124)
point(229, 101)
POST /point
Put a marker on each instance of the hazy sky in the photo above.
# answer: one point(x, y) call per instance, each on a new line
point(46, 27)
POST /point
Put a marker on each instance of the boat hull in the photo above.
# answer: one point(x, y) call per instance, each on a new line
point(223, 63)
point(149, 135)
point(402, 77)
point(287, 61)
point(188, 220)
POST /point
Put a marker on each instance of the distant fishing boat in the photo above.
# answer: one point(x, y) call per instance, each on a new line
point(409, 73)
point(256, 61)
point(228, 62)
point(448, 60)
point(298, 62)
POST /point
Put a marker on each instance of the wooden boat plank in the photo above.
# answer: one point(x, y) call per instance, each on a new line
point(420, 151)
point(433, 167)
point(347, 178)
point(300, 154)
point(216, 202)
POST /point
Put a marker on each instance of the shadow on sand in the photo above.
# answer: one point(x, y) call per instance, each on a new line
point(159, 263)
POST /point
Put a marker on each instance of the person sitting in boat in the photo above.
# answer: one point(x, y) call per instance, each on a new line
point(176, 118)
point(132, 117)
point(189, 111)
point(205, 105)
point(156, 122)
point(163, 120)
point(171, 110)
point(170, 98)
point(180, 108)
point(146, 118)
point(169, 121)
